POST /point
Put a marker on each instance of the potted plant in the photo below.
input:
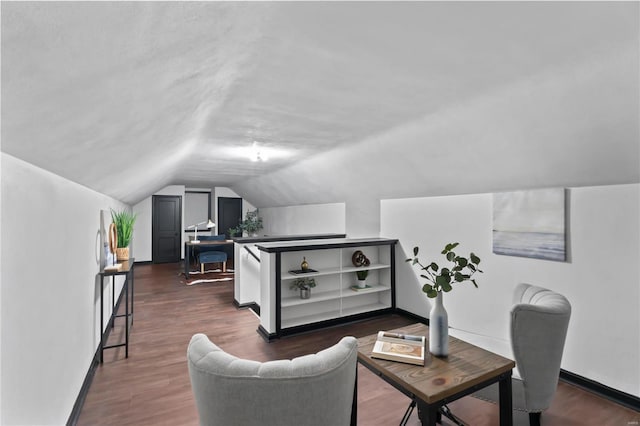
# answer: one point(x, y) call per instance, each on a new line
point(232, 232)
point(124, 221)
point(252, 223)
point(359, 259)
point(362, 278)
point(440, 280)
point(304, 284)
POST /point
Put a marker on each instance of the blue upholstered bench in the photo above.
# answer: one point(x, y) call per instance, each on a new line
point(212, 256)
point(209, 254)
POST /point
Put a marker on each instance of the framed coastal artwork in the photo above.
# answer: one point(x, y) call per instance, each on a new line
point(530, 224)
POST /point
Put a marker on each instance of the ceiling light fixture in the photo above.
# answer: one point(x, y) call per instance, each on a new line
point(257, 154)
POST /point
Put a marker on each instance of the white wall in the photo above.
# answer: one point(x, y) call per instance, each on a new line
point(196, 207)
point(601, 280)
point(50, 291)
point(142, 232)
point(246, 285)
point(141, 244)
point(1, 180)
point(304, 219)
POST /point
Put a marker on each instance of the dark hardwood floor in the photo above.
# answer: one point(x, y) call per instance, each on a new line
point(152, 387)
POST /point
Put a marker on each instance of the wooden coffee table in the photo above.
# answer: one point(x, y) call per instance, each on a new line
point(442, 380)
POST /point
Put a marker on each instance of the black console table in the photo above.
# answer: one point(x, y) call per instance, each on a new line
point(127, 270)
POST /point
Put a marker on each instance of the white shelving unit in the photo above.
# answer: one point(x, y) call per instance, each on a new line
point(332, 300)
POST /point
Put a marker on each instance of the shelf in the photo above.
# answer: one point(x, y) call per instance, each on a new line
point(334, 274)
point(330, 295)
point(287, 276)
point(365, 308)
point(375, 288)
point(315, 297)
point(371, 267)
point(308, 319)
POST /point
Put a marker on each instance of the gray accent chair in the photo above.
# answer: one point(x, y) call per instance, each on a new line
point(539, 322)
point(318, 389)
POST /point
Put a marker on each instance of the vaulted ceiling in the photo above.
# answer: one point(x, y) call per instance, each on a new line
point(385, 99)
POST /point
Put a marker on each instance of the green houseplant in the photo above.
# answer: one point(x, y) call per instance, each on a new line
point(124, 222)
point(362, 275)
point(304, 284)
point(441, 280)
point(252, 223)
point(359, 259)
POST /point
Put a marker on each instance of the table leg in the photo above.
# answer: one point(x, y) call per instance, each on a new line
point(187, 259)
point(132, 290)
point(506, 413)
point(113, 301)
point(428, 413)
point(101, 317)
point(354, 403)
point(126, 317)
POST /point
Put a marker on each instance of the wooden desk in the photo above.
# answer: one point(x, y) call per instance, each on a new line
point(442, 380)
point(202, 243)
point(127, 271)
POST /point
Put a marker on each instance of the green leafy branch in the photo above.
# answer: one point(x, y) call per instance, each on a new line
point(461, 269)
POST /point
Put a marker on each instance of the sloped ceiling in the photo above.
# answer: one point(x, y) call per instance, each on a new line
point(381, 99)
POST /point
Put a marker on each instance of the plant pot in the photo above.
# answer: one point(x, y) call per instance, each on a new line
point(122, 253)
point(362, 283)
point(305, 293)
point(438, 328)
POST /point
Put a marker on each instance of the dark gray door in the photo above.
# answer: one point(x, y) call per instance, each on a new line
point(166, 229)
point(229, 214)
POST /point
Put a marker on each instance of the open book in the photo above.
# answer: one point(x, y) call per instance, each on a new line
point(399, 347)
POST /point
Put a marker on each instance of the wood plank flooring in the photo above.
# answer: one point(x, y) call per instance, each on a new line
point(152, 386)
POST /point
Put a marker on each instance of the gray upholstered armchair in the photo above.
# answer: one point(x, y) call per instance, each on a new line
point(316, 389)
point(539, 322)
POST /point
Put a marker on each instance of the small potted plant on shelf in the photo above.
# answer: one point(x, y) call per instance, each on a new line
point(303, 284)
point(124, 226)
point(359, 259)
point(362, 278)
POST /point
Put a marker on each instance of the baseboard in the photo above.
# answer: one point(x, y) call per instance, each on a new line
point(86, 384)
point(143, 262)
point(412, 316)
point(251, 305)
point(614, 395)
point(268, 337)
point(84, 390)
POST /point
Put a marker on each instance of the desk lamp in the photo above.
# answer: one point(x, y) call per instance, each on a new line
point(209, 226)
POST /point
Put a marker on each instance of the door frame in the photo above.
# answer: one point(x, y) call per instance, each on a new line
point(153, 230)
point(219, 210)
